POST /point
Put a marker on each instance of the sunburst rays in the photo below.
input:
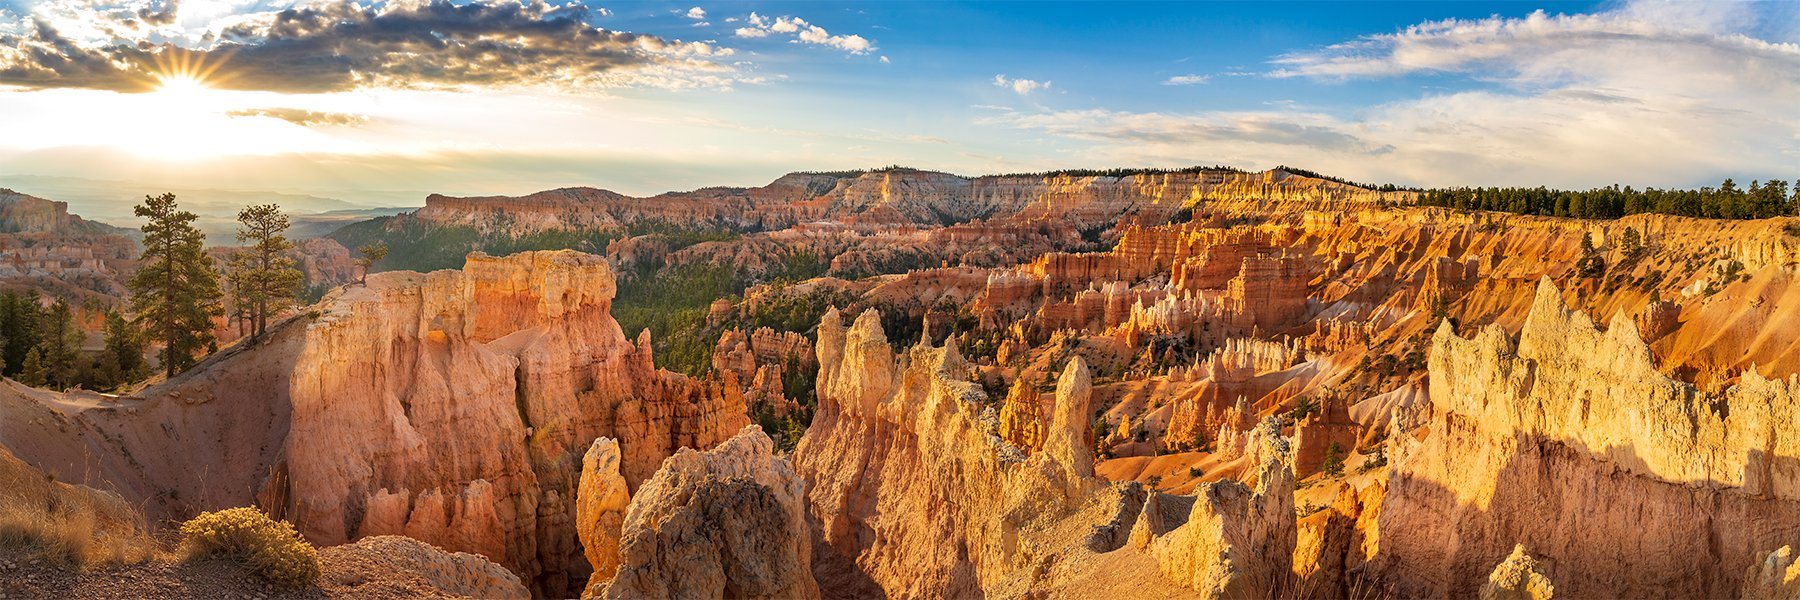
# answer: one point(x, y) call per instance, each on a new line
point(173, 67)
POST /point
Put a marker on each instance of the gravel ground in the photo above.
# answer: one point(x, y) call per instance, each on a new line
point(25, 576)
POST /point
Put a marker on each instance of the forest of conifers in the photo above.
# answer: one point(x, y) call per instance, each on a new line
point(1728, 201)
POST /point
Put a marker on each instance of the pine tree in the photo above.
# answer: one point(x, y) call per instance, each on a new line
point(1334, 460)
point(20, 320)
point(372, 253)
point(32, 373)
point(59, 349)
point(124, 349)
point(263, 278)
point(1630, 243)
point(1590, 264)
point(175, 294)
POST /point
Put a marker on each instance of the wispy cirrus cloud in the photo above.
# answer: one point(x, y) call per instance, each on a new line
point(337, 45)
point(1645, 93)
point(1280, 129)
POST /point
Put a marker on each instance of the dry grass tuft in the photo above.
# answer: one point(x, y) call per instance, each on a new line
point(269, 547)
point(72, 538)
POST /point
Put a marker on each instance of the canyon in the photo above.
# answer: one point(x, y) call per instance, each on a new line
point(909, 384)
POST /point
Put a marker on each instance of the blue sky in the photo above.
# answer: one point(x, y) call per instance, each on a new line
point(1561, 94)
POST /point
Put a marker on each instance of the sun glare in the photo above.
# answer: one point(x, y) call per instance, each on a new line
point(182, 84)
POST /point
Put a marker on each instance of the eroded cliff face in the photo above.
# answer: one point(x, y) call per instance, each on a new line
point(513, 365)
point(1238, 541)
point(724, 523)
point(453, 407)
point(1621, 480)
point(909, 484)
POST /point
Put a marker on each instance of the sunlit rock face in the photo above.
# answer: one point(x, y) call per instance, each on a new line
point(487, 386)
point(1238, 541)
point(724, 523)
point(908, 483)
point(452, 407)
point(1621, 480)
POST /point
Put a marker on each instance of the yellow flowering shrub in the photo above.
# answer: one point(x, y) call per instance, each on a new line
point(269, 547)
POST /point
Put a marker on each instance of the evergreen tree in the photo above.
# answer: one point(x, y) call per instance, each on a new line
point(1334, 460)
point(32, 373)
point(263, 278)
point(372, 253)
point(1630, 242)
point(124, 350)
point(59, 348)
point(1590, 264)
point(20, 320)
point(175, 294)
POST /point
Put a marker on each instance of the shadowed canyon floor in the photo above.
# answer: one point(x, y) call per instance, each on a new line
point(1192, 384)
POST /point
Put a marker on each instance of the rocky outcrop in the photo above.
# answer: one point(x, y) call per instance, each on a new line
point(600, 505)
point(1333, 546)
point(453, 407)
point(909, 484)
point(1329, 427)
point(725, 523)
point(512, 363)
point(1776, 576)
point(1517, 578)
point(419, 567)
point(1238, 541)
point(1626, 481)
point(45, 248)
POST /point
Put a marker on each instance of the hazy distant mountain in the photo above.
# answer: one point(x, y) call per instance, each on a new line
point(111, 202)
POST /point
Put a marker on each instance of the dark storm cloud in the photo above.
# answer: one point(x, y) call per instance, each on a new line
point(340, 45)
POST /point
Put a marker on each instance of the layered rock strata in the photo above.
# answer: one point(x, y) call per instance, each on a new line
point(454, 407)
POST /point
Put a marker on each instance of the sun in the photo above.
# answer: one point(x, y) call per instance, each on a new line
point(181, 84)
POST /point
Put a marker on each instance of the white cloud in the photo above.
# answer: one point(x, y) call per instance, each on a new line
point(1645, 94)
point(696, 13)
point(1020, 86)
point(803, 32)
point(884, 60)
point(1187, 80)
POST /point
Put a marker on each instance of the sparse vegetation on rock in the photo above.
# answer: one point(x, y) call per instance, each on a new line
point(271, 548)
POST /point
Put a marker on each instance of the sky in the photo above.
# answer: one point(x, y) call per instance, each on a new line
point(378, 103)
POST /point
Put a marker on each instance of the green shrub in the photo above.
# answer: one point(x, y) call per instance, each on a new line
point(271, 548)
point(1334, 460)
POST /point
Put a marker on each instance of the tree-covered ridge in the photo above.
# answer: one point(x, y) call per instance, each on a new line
point(1124, 172)
point(415, 245)
point(1728, 201)
point(1385, 187)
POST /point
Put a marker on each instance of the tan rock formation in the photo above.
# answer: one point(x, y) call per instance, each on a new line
point(725, 523)
point(600, 505)
point(1517, 578)
point(1628, 482)
point(1238, 542)
point(453, 407)
point(1333, 545)
point(909, 485)
point(1068, 442)
point(1315, 435)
